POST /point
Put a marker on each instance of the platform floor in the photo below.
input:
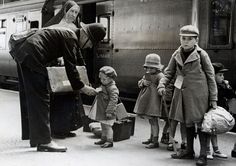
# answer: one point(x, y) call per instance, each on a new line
point(81, 149)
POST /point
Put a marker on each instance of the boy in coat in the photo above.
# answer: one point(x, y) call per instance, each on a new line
point(195, 90)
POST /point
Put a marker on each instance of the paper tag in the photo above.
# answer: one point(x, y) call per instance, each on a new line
point(179, 81)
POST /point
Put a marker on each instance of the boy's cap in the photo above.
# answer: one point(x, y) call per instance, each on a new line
point(109, 71)
point(95, 31)
point(153, 60)
point(219, 68)
point(189, 30)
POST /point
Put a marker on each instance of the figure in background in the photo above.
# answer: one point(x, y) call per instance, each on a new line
point(149, 104)
point(195, 90)
point(107, 99)
point(33, 56)
point(225, 92)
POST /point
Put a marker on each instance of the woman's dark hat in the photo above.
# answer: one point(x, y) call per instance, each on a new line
point(219, 68)
point(95, 31)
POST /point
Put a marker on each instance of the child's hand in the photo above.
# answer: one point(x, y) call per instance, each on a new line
point(99, 89)
point(161, 91)
point(109, 115)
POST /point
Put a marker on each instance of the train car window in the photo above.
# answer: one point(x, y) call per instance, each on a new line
point(220, 23)
point(105, 20)
point(3, 34)
point(34, 24)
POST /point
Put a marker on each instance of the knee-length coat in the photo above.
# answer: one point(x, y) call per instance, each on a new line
point(149, 101)
point(191, 101)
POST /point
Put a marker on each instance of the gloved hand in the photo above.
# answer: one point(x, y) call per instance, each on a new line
point(109, 115)
point(88, 90)
point(161, 91)
point(213, 104)
point(146, 83)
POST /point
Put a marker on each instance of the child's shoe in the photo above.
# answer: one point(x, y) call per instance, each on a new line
point(219, 154)
point(209, 155)
point(100, 142)
point(107, 145)
point(154, 144)
point(165, 138)
point(147, 142)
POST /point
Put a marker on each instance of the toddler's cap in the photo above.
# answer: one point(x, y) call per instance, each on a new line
point(109, 71)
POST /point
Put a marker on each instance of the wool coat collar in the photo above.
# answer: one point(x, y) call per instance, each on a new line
point(192, 57)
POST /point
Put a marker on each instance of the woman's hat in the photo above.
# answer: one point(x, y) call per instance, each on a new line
point(189, 30)
point(153, 60)
point(95, 31)
point(219, 68)
point(109, 71)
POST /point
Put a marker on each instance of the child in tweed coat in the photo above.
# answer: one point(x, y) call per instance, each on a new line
point(107, 99)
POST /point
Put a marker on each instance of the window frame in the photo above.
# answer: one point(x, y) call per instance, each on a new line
point(108, 30)
point(230, 39)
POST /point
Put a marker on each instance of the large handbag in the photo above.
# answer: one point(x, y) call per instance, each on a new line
point(217, 121)
point(59, 81)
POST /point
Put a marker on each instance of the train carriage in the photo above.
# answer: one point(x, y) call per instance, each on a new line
point(134, 29)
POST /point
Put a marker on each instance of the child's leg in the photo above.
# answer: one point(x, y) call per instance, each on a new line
point(103, 137)
point(183, 136)
point(155, 133)
point(109, 136)
point(216, 150)
point(173, 125)
point(165, 133)
point(209, 155)
point(150, 139)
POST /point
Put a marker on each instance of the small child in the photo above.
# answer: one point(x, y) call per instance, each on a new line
point(107, 99)
point(148, 104)
point(225, 92)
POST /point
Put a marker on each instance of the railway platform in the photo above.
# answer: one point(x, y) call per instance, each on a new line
point(83, 152)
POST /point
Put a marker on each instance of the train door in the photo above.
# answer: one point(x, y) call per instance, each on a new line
point(104, 54)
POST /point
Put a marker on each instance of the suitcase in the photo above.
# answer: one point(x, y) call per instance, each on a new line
point(122, 130)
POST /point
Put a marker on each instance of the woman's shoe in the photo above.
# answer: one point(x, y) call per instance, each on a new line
point(170, 147)
point(183, 154)
point(219, 154)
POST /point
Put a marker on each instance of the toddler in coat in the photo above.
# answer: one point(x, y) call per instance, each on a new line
point(148, 104)
point(107, 99)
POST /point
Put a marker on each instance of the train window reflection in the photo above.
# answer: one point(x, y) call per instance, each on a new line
point(220, 28)
point(105, 20)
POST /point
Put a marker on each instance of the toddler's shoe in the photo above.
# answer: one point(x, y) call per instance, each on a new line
point(100, 142)
point(107, 145)
point(219, 154)
point(209, 155)
point(147, 142)
point(152, 146)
